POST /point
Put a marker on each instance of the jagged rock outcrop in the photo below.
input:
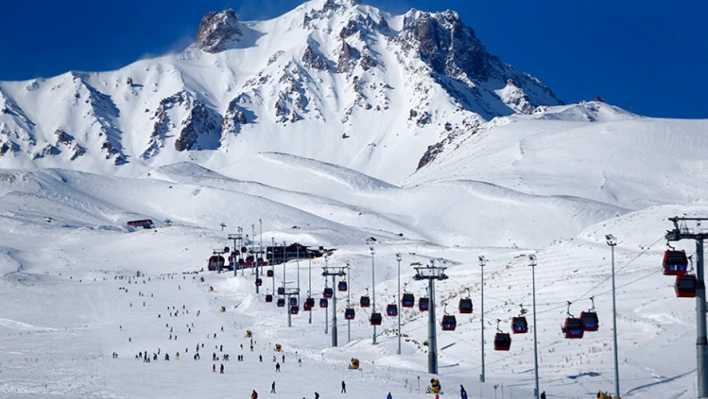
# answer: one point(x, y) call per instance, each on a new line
point(449, 47)
point(347, 58)
point(430, 155)
point(200, 121)
point(66, 140)
point(313, 59)
point(235, 116)
point(218, 31)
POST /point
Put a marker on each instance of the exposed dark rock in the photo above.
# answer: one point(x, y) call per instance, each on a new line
point(199, 121)
point(218, 31)
point(236, 115)
point(63, 137)
point(347, 58)
point(313, 60)
point(78, 151)
point(424, 119)
point(430, 155)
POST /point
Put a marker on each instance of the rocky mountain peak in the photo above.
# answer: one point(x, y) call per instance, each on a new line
point(217, 31)
point(450, 47)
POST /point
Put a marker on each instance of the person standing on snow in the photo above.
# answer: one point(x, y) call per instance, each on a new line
point(221, 369)
point(543, 395)
point(389, 396)
point(272, 387)
point(344, 387)
point(254, 394)
point(277, 367)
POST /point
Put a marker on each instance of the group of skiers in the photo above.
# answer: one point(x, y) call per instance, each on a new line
point(173, 311)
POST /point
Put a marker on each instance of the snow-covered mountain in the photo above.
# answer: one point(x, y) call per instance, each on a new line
point(331, 80)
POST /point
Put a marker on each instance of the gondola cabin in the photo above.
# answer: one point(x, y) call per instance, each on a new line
point(686, 286)
point(328, 293)
point(364, 302)
point(269, 298)
point(392, 309)
point(449, 323)
point(226, 250)
point(519, 325)
point(502, 341)
point(293, 301)
point(216, 262)
point(294, 309)
point(590, 321)
point(376, 319)
point(324, 303)
point(424, 304)
point(281, 290)
point(465, 306)
point(573, 328)
point(306, 307)
point(270, 273)
point(349, 314)
point(408, 300)
point(259, 282)
point(281, 302)
point(675, 263)
point(310, 302)
point(342, 286)
point(244, 250)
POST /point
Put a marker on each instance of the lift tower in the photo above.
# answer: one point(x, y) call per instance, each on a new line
point(682, 232)
point(334, 271)
point(431, 273)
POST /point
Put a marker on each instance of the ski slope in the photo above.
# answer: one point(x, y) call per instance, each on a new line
point(61, 319)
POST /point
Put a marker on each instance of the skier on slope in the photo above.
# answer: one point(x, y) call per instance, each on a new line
point(254, 394)
point(389, 396)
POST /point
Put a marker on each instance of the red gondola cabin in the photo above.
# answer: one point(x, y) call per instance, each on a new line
point(675, 263)
point(686, 286)
point(502, 342)
point(573, 328)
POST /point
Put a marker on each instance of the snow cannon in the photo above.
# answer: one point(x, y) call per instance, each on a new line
point(278, 348)
point(249, 334)
point(223, 309)
point(434, 386)
point(354, 365)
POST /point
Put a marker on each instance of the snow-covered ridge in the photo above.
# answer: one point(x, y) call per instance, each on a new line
point(321, 73)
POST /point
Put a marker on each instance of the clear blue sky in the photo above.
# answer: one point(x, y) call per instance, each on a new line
point(647, 55)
